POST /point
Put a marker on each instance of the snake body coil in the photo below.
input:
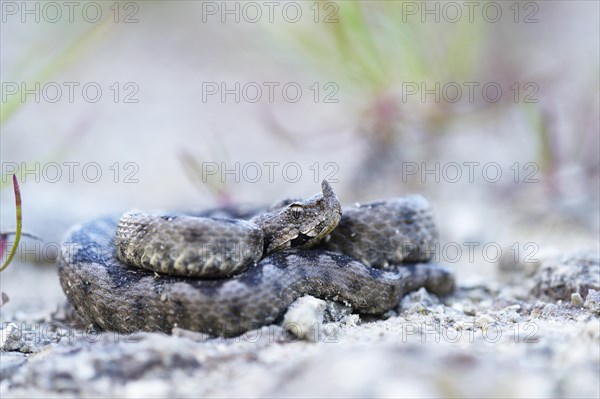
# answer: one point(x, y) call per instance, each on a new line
point(310, 258)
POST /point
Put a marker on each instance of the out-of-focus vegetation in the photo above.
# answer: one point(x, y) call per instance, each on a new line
point(370, 48)
point(76, 48)
point(372, 51)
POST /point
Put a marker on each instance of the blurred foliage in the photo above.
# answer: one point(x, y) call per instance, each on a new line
point(72, 52)
point(75, 49)
point(212, 183)
point(371, 49)
point(540, 126)
point(374, 51)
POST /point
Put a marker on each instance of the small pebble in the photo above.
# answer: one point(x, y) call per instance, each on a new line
point(592, 302)
point(550, 310)
point(576, 299)
point(419, 302)
point(352, 320)
point(483, 320)
point(469, 309)
point(335, 311)
point(10, 338)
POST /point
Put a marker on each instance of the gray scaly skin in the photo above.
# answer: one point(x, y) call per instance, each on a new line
point(114, 296)
point(217, 247)
point(399, 230)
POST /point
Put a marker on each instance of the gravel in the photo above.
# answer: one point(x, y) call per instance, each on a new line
point(537, 337)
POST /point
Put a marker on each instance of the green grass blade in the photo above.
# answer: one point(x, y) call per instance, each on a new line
point(13, 249)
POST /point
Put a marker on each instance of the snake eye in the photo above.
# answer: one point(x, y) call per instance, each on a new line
point(296, 210)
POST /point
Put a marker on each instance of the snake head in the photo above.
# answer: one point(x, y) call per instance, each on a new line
point(301, 223)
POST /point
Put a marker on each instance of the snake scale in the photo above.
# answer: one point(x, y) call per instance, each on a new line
point(225, 276)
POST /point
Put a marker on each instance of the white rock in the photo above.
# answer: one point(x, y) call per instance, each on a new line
point(576, 299)
point(304, 318)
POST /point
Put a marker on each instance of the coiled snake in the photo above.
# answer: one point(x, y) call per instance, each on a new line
point(226, 276)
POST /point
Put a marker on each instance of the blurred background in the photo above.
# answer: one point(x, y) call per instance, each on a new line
point(490, 110)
